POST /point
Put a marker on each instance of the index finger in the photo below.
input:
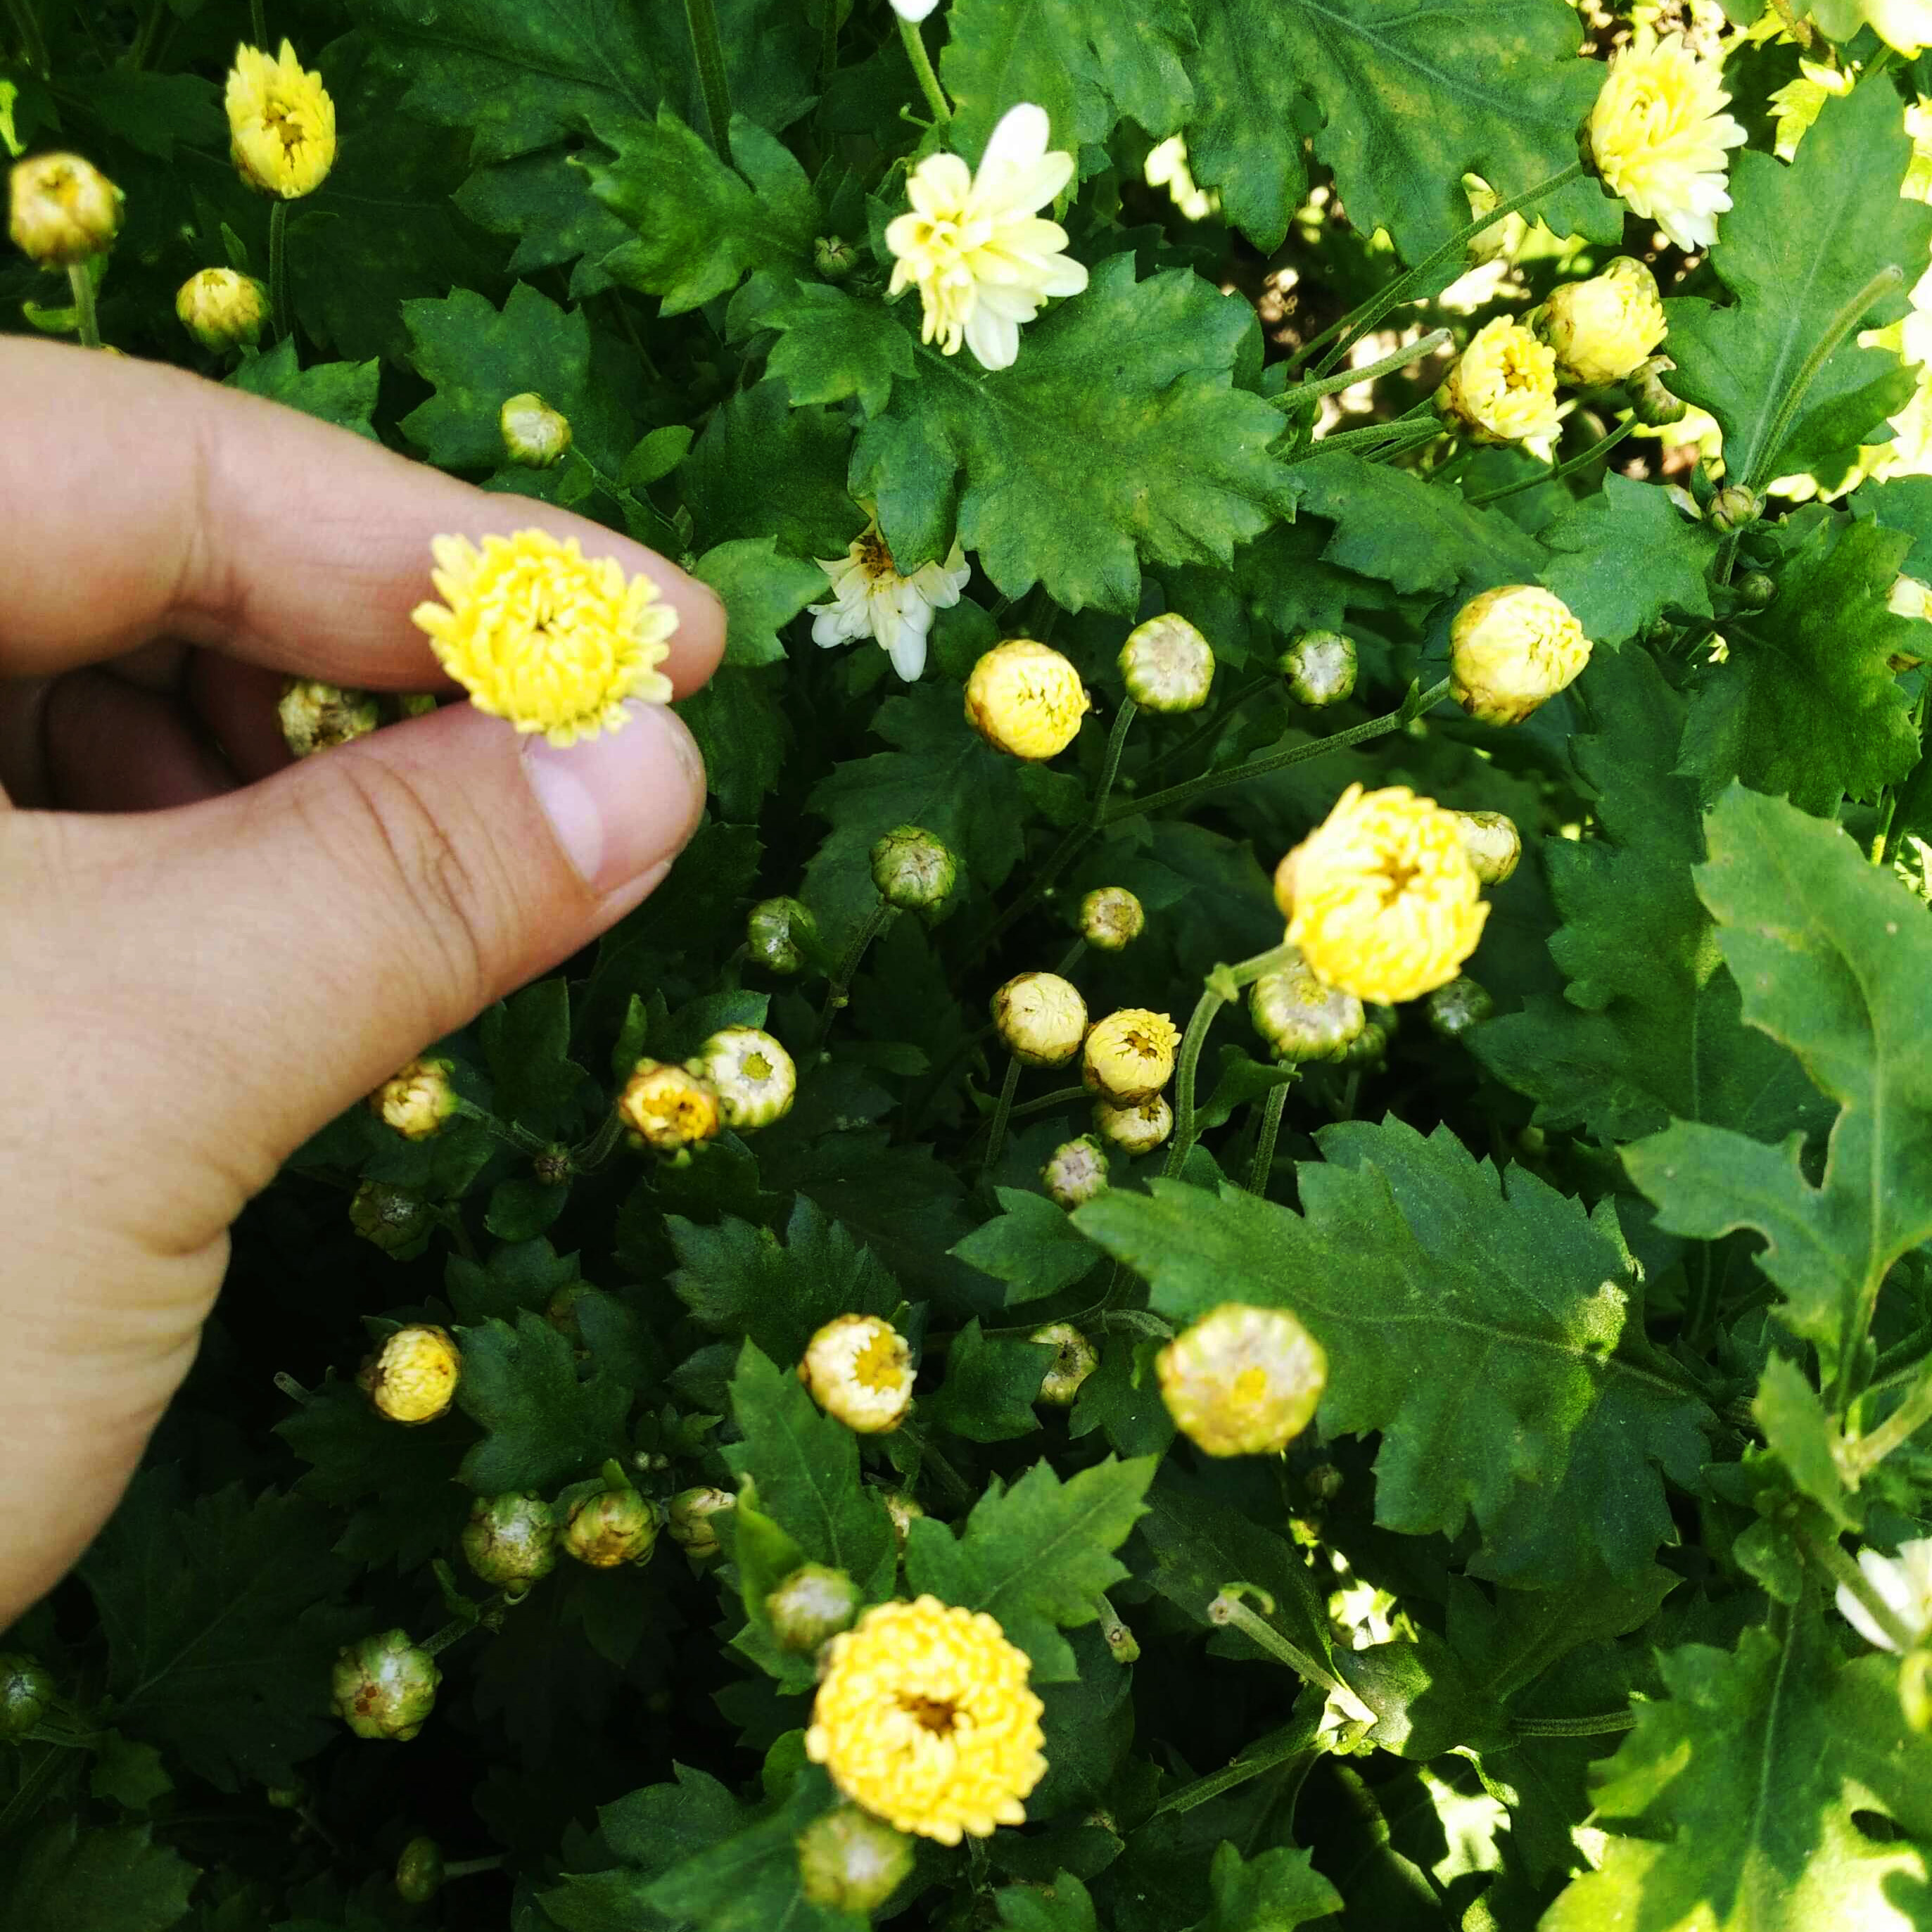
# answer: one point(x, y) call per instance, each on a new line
point(140, 500)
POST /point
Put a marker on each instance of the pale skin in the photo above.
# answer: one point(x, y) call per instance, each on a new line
point(206, 952)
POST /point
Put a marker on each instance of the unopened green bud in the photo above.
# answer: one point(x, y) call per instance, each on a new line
point(384, 1687)
point(1077, 1173)
point(419, 1871)
point(1755, 591)
point(690, 1526)
point(834, 257)
point(1300, 1017)
point(1454, 1008)
point(1111, 917)
point(1074, 1359)
point(553, 1167)
point(534, 435)
point(285, 1797)
point(1370, 1046)
point(222, 309)
point(615, 1526)
point(26, 1690)
point(813, 1602)
point(1651, 402)
point(62, 210)
point(510, 1540)
point(848, 1861)
point(913, 870)
point(781, 935)
point(1320, 667)
point(1325, 1482)
point(1735, 507)
point(1493, 842)
point(317, 717)
point(1167, 665)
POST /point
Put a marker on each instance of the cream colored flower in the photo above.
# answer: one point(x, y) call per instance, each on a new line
point(669, 1107)
point(1658, 133)
point(981, 259)
point(1243, 1381)
point(1493, 842)
point(415, 1100)
point(1076, 1173)
point(753, 1076)
point(412, 1378)
point(858, 1368)
point(1903, 1583)
point(1129, 1056)
point(281, 123)
point(1166, 167)
point(1511, 649)
point(925, 1716)
point(1504, 387)
point(1602, 328)
point(535, 436)
point(1906, 24)
point(1041, 1018)
point(1135, 1129)
point(1167, 665)
point(1025, 698)
point(871, 599)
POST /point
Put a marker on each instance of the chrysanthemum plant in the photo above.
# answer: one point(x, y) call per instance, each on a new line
point(1590, 1296)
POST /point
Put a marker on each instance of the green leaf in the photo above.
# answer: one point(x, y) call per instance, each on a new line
point(1649, 1027)
point(1625, 553)
point(1273, 1891)
point(1411, 1248)
point(544, 1425)
point(1036, 1556)
point(68, 1879)
point(764, 468)
point(545, 201)
point(1902, 503)
point(1031, 1245)
point(990, 1387)
point(650, 1830)
point(1122, 1399)
point(699, 227)
point(1806, 703)
point(833, 345)
point(763, 591)
point(527, 1040)
point(1117, 436)
point(154, 111)
point(1801, 241)
point(342, 393)
point(1798, 1432)
point(1064, 1906)
point(1832, 954)
point(128, 1774)
point(738, 718)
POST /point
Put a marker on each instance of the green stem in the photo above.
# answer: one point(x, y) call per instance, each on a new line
point(1269, 762)
point(258, 24)
point(33, 41)
point(1110, 767)
point(1216, 724)
point(1861, 1457)
point(1290, 1741)
point(468, 1868)
point(594, 1151)
point(1071, 959)
point(1228, 1609)
point(1400, 438)
point(1305, 395)
point(1857, 1326)
point(709, 53)
point(840, 987)
point(80, 279)
point(1604, 1724)
point(1224, 984)
point(1602, 447)
point(1828, 1556)
point(1002, 1112)
point(922, 72)
point(1262, 1165)
point(1058, 1097)
point(828, 47)
point(278, 269)
point(142, 51)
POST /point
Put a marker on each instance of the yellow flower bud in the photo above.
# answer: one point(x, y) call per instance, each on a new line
point(1493, 842)
point(1511, 649)
point(220, 308)
point(858, 1368)
point(1135, 1129)
point(1504, 387)
point(753, 1076)
point(1299, 1017)
point(61, 210)
point(1074, 1359)
point(690, 1525)
point(1603, 328)
point(1076, 1174)
point(1320, 667)
point(1129, 1056)
point(610, 1528)
point(1167, 665)
point(317, 717)
point(412, 1378)
point(281, 123)
point(417, 1099)
point(670, 1108)
point(1041, 1018)
point(1026, 699)
point(534, 435)
point(1110, 918)
point(1243, 1381)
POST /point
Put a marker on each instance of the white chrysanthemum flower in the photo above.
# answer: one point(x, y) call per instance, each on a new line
point(1904, 1583)
point(914, 11)
point(871, 599)
point(982, 260)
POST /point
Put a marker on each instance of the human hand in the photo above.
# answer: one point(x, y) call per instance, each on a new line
point(204, 956)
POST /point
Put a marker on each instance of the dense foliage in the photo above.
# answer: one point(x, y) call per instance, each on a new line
point(1620, 1272)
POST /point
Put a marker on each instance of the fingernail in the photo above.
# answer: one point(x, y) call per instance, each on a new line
point(622, 803)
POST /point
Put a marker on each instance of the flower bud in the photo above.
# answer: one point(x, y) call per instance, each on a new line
point(1493, 842)
point(1369, 1047)
point(1454, 1008)
point(1077, 1173)
point(858, 1368)
point(1041, 1019)
point(612, 1527)
point(1501, 237)
point(1320, 667)
point(781, 935)
point(1074, 1359)
point(690, 1526)
point(834, 257)
point(534, 435)
point(1602, 329)
point(1756, 591)
point(392, 1217)
point(419, 1871)
point(813, 1602)
point(913, 870)
point(1024, 698)
point(1243, 1381)
point(1651, 402)
point(753, 1075)
point(221, 309)
point(384, 1687)
point(413, 1378)
point(904, 1512)
point(1733, 508)
point(510, 1540)
point(26, 1690)
point(317, 717)
point(1129, 1056)
point(1299, 1017)
point(1511, 649)
point(1503, 387)
point(1135, 1129)
point(62, 210)
point(1110, 918)
point(1167, 665)
point(281, 123)
point(670, 1108)
point(848, 1861)
point(417, 1099)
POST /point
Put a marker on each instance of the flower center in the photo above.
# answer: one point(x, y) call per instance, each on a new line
point(873, 557)
point(283, 126)
point(757, 1067)
point(1250, 1386)
point(939, 1715)
point(876, 1366)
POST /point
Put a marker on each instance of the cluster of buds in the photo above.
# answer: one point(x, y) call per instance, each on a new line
point(1128, 1058)
point(510, 1540)
point(1167, 665)
point(315, 716)
point(914, 870)
point(1320, 668)
point(222, 309)
point(1076, 1173)
point(859, 1369)
point(1026, 699)
point(384, 1687)
point(811, 1606)
point(417, 1100)
point(411, 1379)
point(1111, 919)
point(1041, 1019)
point(62, 211)
point(535, 437)
point(1074, 1358)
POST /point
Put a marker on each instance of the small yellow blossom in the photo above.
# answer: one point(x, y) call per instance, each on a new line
point(1382, 899)
point(416, 1099)
point(1111, 917)
point(1134, 1130)
point(1243, 1381)
point(871, 599)
point(61, 210)
point(1602, 328)
point(669, 1107)
point(540, 634)
point(858, 1368)
point(281, 123)
point(1041, 1018)
point(1511, 649)
point(1025, 698)
point(974, 246)
point(413, 1378)
point(1658, 135)
point(925, 1717)
point(1504, 388)
point(753, 1076)
point(1129, 1056)
point(1167, 665)
point(220, 308)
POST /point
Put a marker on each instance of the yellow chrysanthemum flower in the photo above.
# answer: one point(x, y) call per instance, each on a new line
point(1129, 1056)
point(1025, 698)
point(281, 123)
point(1658, 132)
point(413, 1378)
point(1504, 387)
point(1382, 899)
point(1243, 1381)
point(61, 210)
point(669, 1107)
point(924, 1716)
point(416, 1099)
point(220, 308)
point(858, 1368)
point(539, 634)
point(1511, 648)
point(1602, 328)
point(981, 259)
point(1136, 1129)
